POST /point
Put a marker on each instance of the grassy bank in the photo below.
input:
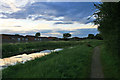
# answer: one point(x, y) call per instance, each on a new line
point(70, 63)
point(110, 64)
point(17, 48)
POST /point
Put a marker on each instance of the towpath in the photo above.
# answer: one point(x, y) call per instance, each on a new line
point(96, 66)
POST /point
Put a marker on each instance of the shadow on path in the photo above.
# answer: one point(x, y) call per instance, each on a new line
point(96, 67)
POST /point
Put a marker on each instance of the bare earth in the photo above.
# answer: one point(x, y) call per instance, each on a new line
point(96, 67)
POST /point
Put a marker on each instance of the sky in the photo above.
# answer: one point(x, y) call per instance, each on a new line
point(27, 17)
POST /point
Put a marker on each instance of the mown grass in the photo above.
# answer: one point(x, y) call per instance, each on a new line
point(111, 64)
point(70, 63)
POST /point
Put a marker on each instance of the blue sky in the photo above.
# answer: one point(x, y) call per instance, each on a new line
point(26, 17)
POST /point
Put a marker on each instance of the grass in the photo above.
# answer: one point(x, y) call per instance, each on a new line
point(17, 48)
point(69, 63)
point(110, 64)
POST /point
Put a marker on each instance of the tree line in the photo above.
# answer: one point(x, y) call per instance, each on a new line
point(108, 21)
point(67, 35)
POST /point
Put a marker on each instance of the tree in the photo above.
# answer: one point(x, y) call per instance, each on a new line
point(98, 36)
point(37, 34)
point(17, 34)
point(90, 36)
point(108, 21)
point(66, 35)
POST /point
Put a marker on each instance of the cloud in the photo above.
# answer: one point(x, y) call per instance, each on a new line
point(62, 11)
point(46, 28)
point(63, 23)
point(44, 17)
point(11, 5)
point(73, 0)
point(17, 26)
point(85, 32)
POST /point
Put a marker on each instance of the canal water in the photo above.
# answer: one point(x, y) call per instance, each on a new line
point(24, 57)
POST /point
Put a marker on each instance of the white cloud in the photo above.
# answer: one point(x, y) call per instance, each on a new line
point(58, 18)
point(1, 15)
point(29, 25)
point(14, 5)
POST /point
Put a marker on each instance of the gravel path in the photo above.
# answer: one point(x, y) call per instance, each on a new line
point(96, 67)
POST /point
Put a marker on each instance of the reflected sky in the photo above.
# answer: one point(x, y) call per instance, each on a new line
point(24, 57)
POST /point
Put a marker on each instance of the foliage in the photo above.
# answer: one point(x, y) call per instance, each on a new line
point(90, 36)
point(17, 34)
point(37, 34)
point(108, 20)
point(66, 35)
point(98, 36)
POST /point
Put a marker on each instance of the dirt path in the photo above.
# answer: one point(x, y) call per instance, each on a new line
point(96, 67)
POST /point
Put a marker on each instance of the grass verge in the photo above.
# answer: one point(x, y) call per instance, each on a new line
point(110, 64)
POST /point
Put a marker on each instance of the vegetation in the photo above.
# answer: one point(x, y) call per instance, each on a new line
point(17, 34)
point(98, 36)
point(108, 19)
point(66, 35)
point(18, 48)
point(37, 34)
point(70, 63)
point(110, 64)
point(90, 36)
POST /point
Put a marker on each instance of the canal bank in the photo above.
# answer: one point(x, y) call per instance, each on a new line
point(24, 57)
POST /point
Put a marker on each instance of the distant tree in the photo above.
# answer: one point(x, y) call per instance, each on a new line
point(90, 36)
point(37, 34)
point(66, 35)
point(17, 34)
point(98, 36)
point(75, 38)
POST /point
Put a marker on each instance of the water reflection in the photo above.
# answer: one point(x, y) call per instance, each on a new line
point(24, 57)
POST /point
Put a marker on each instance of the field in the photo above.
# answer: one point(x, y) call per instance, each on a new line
point(70, 63)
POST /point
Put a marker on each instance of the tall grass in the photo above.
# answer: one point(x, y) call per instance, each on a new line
point(13, 49)
point(111, 63)
point(18, 48)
